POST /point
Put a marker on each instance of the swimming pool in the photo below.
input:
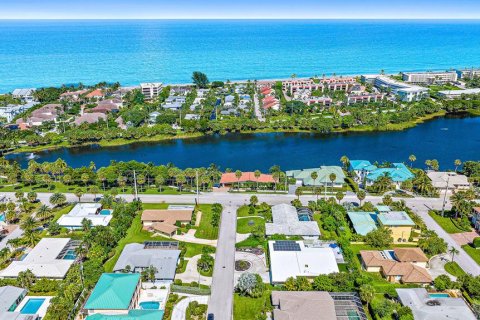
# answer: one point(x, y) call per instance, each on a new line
point(150, 305)
point(304, 217)
point(439, 295)
point(105, 212)
point(2, 217)
point(70, 255)
point(32, 306)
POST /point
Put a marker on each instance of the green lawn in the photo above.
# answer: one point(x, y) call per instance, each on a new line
point(154, 206)
point(243, 212)
point(251, 242)
point(454, 269)
point(206, 230)
point(446, 223)
point(246, 308)
point(136, 234)
point(243, 224)
point(472, 252)
point(325, 234)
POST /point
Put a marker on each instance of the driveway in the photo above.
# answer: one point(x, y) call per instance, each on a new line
point(464, 238)
point(437, 266)
point(180, 308)
point(221, 303)
point(190, 237)
point(258, 265)
point(191, 273)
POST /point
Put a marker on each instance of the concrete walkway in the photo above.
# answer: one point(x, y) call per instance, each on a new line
point(191, 273)
point(180, 308)
point(221, 303)
point(437, 266)
point(190, 237)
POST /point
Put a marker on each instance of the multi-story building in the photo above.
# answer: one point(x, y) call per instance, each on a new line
point(24, 94)
point(405, 91)
point(430, 77)
point(364, 98)
point(468, 73)
point(151, 90)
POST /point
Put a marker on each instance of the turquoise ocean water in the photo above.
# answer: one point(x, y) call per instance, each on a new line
point(40, 53)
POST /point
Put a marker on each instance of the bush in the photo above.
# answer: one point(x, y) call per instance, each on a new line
point(476, 242)
point(442, 282)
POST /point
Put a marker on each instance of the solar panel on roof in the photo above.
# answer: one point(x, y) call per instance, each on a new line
point(161, 244)
point(286, 246)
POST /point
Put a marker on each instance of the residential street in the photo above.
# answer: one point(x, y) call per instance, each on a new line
point(258, 112)
point(221, 302)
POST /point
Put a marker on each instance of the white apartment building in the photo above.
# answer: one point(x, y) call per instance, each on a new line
point(468, 73)
point(405, 91)
point(151, 90)
point(430, 77)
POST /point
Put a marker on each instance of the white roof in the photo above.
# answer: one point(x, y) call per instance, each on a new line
point(23, 92)
point(42, 260)
point(285, 221)
point(84, 211)
point(309, 262)
point(440, 179)
point(447, 308)
point(459, 92)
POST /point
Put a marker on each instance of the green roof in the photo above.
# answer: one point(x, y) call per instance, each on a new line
point(113, 291)
point(323, 175)
point(395, 218)
point(363, 222)
point(132, 315)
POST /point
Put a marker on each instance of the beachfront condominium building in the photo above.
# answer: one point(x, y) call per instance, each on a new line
point(151, 90)
point(456, 94)
point(406, 92)
point(468, 73)
point(430, 77)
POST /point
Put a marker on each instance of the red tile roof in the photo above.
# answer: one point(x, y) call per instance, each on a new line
point(246, 177)
point(95, 93)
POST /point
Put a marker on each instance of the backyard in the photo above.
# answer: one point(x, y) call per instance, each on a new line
point(250, 224)
point(246, 308)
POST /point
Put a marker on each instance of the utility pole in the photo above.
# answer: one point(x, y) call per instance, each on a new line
point(196, 179)
point(135, 184)
point(445, 197)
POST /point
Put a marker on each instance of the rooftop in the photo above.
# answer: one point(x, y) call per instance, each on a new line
point(286, 222)
point(82, 211)
point(230, 177)
point(113, 291)
point(139, 256)
point(9, 295)
point(293, 258)
point(395, 218)
point(323, 175)
point(363, 222)
point(131, 315)
point(419, 301)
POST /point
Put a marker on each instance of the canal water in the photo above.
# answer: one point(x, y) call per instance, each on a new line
point(444, 139)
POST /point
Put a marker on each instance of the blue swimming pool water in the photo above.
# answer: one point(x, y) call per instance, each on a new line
point(105, 212)
point(70, 255)
point(439, 295)
point(2, 217)
point(304, 217)
point(150, 305)
point(32, 306)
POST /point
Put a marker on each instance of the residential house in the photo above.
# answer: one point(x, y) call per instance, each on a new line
point(229, 179)
point(151, 90)
point(89, 118)
point(152, 117)
point(304, 176)
point(90, 211)
point(48, 112)
point(295, 258)
point(162, 255)
point(316, 305)
point(10, 111)
point(191, 116)
point(405, 266)
point(164, 221)
point(24, 94)
point(451, 180)
point(287, 221)
point(426, 306)
point(399, 222)
point(50, 258)
point(363, 222)
point(73, 95)
point(95, 94)
point(367, 173)
point(10, 299)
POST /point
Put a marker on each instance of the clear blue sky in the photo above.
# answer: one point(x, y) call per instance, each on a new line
point(228, 9)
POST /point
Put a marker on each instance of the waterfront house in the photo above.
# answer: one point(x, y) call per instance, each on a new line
point(428, 306)
point(163, 255)
point(452, 180)
point(304, 176)
point(229, 179)
point(316, 305)
point(50, 258)
point(48, 112)
point(295, 258)
point(90, 211)
point(165, 221)
point(24, 94)
point(406, 265)
point(366, 173)
point(399, 222)
point(89, 118)
point(287, 221)
point(95, 94)
point(114, 293)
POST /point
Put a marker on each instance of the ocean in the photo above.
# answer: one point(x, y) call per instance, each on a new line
point(42, 53)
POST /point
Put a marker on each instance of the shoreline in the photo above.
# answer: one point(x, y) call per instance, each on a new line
point(154, 139)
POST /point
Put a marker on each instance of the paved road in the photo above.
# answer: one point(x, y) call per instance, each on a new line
point(180, 308)
point(221, 302)
point(258, 112)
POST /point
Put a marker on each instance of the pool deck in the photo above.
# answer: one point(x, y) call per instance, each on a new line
point(42, 311)
point(156, 295)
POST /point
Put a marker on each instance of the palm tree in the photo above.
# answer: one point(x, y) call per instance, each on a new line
point(412, 159)
point(43, 212)
point(26, 279)
point(257, 175)
point(159, 181)
point(314, 176)
point(298, 192)
point(86, 224)
point(453, 251)
point(67, 179)
point(32, 196)
point(58, 199)
point(238, 175)
point(361, 196)
point(332, 178)
point(141, 180)
point(29, 226)
point(102, 177)
point(94, 190)
point(345, 162)
point(457, 163)
point(79, 194)
point(85, 178)
point(367, 293)
point(339, 195)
